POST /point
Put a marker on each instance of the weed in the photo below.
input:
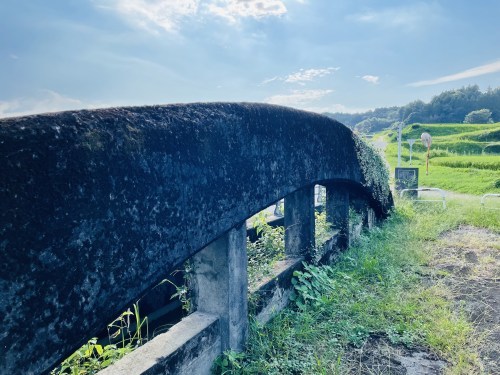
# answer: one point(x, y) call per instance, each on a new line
point(228, 362)
point(183, 291)
point(263, 253)
point(126, 333)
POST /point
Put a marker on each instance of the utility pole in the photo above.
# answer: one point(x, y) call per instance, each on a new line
point(400, 130)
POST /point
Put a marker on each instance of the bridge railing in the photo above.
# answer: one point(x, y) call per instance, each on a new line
point(220, 273)
point(96, 207)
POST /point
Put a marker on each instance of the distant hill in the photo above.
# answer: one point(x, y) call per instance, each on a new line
point(448, 107)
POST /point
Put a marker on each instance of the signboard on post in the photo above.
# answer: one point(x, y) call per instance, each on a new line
point(407, 178)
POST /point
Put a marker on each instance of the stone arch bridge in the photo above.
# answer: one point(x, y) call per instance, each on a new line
point(96, 206)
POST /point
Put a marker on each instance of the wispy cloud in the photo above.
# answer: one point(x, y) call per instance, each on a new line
point(469, 73)
point(336, 108)
point(407, 18)
point(234, 10)
point(298, 98)
point(269, 80)
point(305, 75)
point(13, 56)
point(302, 76)
point(161, 15)
point(152, 15)
point(44, 101)
point(371, 79)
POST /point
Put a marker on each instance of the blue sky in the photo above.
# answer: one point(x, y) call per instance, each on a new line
point(319, 55)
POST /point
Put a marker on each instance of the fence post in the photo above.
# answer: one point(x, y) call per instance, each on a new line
point(337, 212)
point(221, 284)
point(299, 223)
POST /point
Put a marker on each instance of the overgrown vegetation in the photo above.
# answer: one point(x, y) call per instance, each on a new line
point(125, 333)
point(375, 289)
point(266, 251)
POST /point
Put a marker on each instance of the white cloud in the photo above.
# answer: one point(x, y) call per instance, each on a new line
point(168, 15)
point(469, 73)
point(152, 15)
point(234, 10)
point(45, 101)
point(305, 75)
point(298, 98)
point(13, 56)
point(407, 18)
point(302, 76)
point(371, 79)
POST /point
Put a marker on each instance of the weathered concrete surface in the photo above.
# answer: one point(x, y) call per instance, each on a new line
point(273, 293)
point(337, 212)
point(221, 285)
point(299, 222)
point(98, 206)
point(189, 347)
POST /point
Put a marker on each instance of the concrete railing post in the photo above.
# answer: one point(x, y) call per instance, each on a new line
point(299, 222)
point(221, 285)
point(371, 218)
point(337, 212)
point(361, 207)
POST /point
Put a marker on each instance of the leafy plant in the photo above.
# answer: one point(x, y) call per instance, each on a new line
point(228, 362)
point(266, 251)
point(311, 285)
point(182, 292)
point(126, 333)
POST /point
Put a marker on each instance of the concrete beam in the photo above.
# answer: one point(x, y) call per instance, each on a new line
point(221, 285)
point(299, 222)
point(189, 347)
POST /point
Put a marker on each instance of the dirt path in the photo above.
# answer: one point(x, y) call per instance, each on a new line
point(468, 263)
point(470, 258)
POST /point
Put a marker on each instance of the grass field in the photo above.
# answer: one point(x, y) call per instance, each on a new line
point(461, 156)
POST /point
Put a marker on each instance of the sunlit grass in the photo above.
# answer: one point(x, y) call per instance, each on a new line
point(457, 160)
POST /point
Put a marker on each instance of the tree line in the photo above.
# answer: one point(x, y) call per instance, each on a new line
point(467, 104)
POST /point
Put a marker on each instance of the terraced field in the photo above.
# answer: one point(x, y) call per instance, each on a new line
point(465, 158)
